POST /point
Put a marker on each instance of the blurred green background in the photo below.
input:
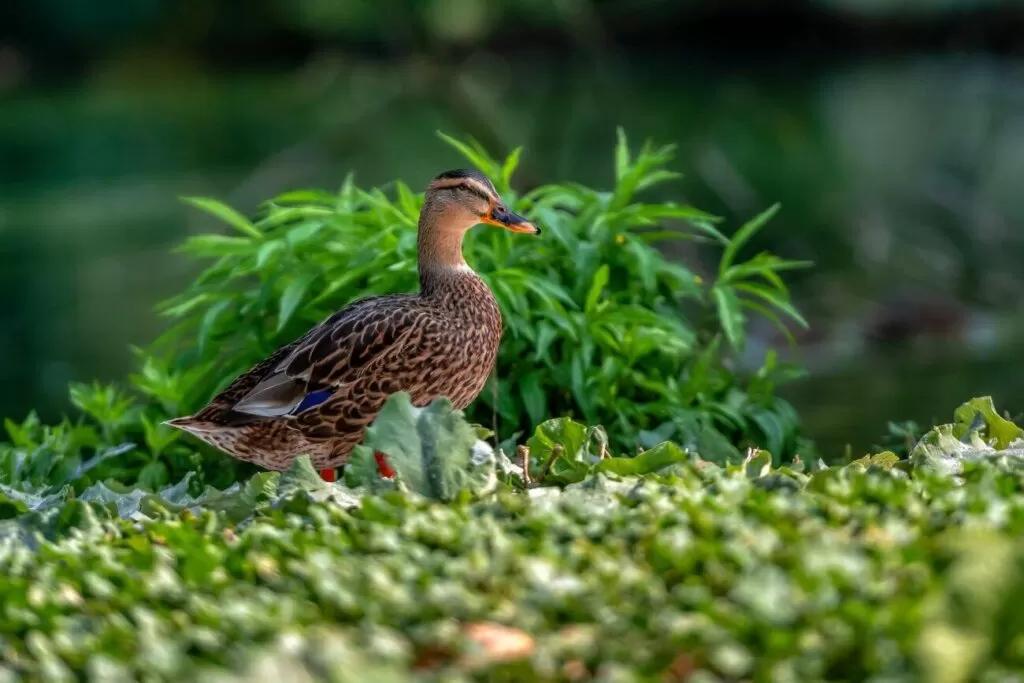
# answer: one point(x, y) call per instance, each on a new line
point(891, 132)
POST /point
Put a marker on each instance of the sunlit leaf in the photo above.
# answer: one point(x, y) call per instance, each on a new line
point(216, 245)
point(226, 213)
point(597, 286)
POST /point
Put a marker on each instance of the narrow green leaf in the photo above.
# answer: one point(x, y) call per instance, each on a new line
point(215, 245)
point(743, 235)
point(211, 317)
point(766, 268)
point(621, 154)
point(474, 153)
point(308, 196)
point(596, 287)
point(267, 251)
point(226, 213)
point(646, 263)
point(773, 299)
point(656, 178)
point(177, 310)
point(771, 317)
point(292, 297)
point(730, 316)
point(509, 167)
point(407, 201)
point(533, 397)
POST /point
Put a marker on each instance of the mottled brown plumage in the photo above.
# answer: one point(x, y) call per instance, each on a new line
point(316, 395)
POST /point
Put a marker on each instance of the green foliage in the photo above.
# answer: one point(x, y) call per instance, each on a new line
point(661, 566)
point(430, 450)
point(116, 436)
point(978, 432)
point(900, 438)
point(599, 324)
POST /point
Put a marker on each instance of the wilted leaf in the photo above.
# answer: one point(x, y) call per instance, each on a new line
point(495, 643)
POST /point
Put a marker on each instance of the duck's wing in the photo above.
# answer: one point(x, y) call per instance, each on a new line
point(307, 372)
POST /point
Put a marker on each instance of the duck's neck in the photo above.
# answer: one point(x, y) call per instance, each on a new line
point(440, 253)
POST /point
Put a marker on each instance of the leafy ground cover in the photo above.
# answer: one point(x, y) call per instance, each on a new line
point(661, 566)
point(669, 524)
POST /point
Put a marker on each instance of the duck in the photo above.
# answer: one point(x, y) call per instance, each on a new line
point(317, 395)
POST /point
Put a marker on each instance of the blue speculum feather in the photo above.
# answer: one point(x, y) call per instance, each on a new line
point(312, 399)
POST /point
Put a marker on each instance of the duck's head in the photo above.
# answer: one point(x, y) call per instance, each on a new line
point(459, 199)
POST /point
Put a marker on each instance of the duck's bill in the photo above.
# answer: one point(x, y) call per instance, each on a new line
point(510, 220)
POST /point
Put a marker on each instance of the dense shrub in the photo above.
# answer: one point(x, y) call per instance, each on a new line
point(599, 325)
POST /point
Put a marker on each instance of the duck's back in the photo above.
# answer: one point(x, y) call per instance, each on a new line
point(318, 394)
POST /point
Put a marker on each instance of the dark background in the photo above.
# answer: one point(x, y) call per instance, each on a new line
point(891, 132)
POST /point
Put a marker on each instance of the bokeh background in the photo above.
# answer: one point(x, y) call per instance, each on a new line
point(892, 133)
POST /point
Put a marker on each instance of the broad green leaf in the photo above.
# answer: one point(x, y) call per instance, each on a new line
point(758, 464)
point(773, 430)
point(1002, 431)
point(650, 461)
point(564, 443)
point(300, 476)
point(428, 448)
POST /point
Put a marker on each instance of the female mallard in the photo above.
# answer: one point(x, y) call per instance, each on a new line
point(318, 394)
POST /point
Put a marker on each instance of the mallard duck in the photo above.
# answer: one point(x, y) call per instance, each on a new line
point(317, 395)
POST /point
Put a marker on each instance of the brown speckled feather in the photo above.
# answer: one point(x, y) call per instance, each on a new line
point(441, 341)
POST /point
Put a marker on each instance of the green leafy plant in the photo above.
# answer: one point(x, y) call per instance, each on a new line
point(900, 437)
point(662, 566)
point(600, 325)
